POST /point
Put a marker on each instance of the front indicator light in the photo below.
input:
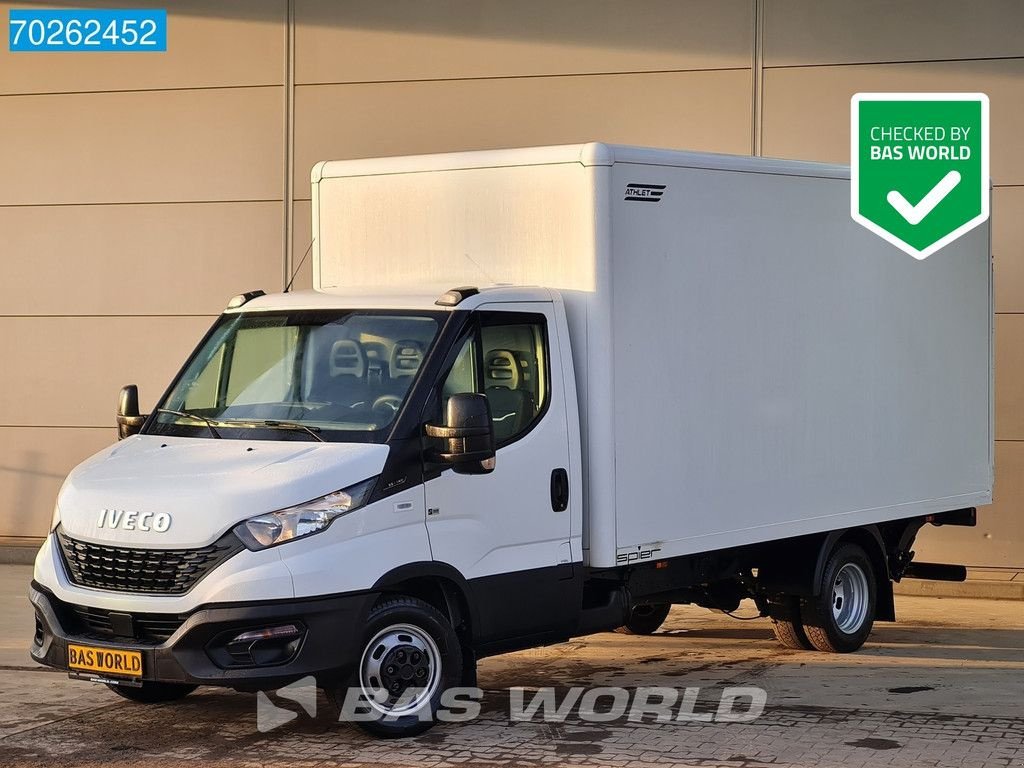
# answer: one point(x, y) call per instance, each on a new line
point(301, 520)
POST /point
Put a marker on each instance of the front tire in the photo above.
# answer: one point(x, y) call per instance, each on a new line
point(841, 616)
point(152, 692)
point(645, 619)
point(410, 656)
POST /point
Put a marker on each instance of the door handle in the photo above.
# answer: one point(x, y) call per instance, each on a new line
point(559, 490)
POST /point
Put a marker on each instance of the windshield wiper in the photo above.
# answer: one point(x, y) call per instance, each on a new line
point(189, 415)
point(274, 424)
point(311, 431)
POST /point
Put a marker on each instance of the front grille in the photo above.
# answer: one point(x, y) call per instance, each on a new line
point(155, 571)
point(148, 628)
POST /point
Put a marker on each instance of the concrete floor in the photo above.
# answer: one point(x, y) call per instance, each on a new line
point(944, 687)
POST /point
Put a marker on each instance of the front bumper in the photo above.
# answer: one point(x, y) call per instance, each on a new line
point(194, 650)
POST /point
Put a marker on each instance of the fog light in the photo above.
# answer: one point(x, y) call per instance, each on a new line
point(39, 635)
point(272, 645)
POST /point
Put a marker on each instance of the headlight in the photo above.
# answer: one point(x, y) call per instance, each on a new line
point(312, 517)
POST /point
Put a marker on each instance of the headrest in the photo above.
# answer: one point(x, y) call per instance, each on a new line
point(376, 353)
point(406, 358)
point(348, 359)
point(501, 369)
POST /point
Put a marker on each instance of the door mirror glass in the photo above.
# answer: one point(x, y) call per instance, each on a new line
point(129, 420)
point(467, 436)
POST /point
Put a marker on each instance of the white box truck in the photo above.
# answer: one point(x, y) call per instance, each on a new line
point(534, 394)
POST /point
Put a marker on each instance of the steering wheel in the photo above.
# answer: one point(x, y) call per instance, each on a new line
point(386, 406)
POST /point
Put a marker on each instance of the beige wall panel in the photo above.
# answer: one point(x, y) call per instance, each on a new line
point(807, 110)
point(364, 41)
point(998, 539)
point(66, 371)
point(180, 259)
point(1010, 377)
point(691, 110)
point(1008, 247)
point(840, 31)
point(302, 233)
point(33, 465)
point(159, 146)
point(208, 44)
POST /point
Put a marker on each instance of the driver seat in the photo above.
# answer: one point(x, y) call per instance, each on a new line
point(511, 407)
point(406, 359)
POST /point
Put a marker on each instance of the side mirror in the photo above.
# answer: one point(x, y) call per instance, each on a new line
point(467, 435)
point(129, 420)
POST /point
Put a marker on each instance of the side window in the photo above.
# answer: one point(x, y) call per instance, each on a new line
point(512, 350)
point(463, 375)
point(515, 373)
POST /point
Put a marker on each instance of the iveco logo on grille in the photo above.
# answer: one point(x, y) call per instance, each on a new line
point(645, 193)
point(134, 521)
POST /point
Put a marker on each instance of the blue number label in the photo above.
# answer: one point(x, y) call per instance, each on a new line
point(37, 29)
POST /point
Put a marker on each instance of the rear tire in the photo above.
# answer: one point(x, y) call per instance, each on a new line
point(152, 692)
point(645, 619)
point(841, 616)
point(788, 625)
point(410, 656)
point(791, 634)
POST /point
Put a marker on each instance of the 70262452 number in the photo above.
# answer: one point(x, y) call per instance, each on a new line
point(87, 30)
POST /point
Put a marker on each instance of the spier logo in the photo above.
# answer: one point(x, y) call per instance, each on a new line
point(919, 165)
point(636, 555)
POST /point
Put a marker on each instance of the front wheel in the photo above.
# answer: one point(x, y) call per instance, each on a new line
point(410, 656)
point(841, 616)
point(153, 693)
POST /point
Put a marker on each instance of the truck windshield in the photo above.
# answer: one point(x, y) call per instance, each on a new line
point(299, 375)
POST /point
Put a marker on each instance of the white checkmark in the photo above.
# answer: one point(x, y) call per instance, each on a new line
point(915, 213)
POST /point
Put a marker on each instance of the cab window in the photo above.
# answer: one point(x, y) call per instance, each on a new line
point(505, 359)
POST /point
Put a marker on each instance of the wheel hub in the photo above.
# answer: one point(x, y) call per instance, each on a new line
point(850, 598)
point(400, 670)
point(402, 667)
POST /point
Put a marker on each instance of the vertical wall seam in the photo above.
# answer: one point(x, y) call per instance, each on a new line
point(289, 143)
point(757, 80)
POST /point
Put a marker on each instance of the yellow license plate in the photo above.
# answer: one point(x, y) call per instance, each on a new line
point(105, 661)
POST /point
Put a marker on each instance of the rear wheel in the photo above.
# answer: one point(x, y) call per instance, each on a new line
point(152, 692)
point(645, 619)
point(841, 616)
point(410, 656)
point(791, 634)
point(787, 623)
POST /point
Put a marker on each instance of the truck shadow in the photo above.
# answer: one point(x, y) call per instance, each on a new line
point(889, 640)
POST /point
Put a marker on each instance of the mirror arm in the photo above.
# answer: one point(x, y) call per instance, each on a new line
point(459, 458)
point(455, 433)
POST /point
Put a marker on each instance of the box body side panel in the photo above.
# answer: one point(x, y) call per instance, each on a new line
point(779, 370)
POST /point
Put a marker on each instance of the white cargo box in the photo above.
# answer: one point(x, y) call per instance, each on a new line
point(751, 363)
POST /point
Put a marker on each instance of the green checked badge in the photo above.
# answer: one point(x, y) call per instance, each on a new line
point(919, 167)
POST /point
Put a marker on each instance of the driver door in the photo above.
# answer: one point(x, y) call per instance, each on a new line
point(507, 532)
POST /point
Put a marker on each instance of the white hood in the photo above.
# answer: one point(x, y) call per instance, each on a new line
point(206, 486)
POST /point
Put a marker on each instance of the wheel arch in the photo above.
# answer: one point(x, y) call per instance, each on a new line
point(796, 566)
point(439, 584)
point(870, 539)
